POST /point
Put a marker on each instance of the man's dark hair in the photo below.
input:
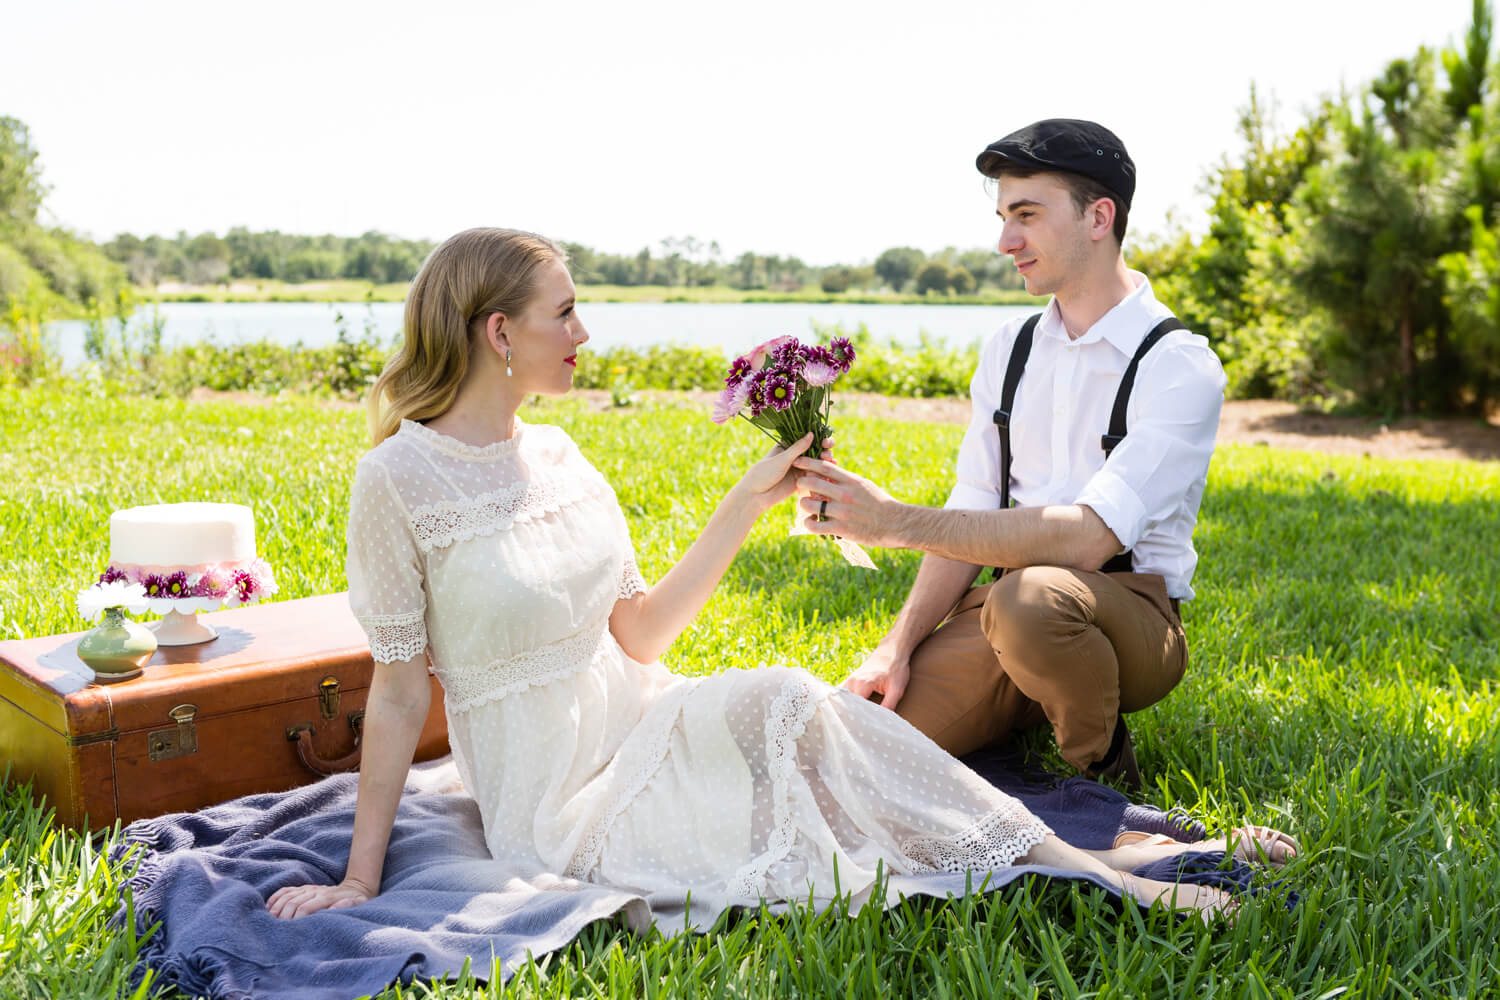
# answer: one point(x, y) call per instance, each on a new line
point(1083, 190)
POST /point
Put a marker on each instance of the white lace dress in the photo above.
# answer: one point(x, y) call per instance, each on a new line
point(503, 563)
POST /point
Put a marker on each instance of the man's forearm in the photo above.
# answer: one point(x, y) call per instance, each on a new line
point(1022, 536)
point(939, 585)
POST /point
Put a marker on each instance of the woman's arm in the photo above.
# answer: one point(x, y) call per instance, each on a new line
point(646, 624)
point(400, 695)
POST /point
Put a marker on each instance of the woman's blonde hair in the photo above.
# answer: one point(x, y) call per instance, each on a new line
point(469, 276)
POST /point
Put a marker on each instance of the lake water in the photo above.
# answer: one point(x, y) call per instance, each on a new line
point(734, 326)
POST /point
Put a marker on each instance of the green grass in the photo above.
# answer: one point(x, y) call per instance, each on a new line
point(1342, 686)
point(341, 290)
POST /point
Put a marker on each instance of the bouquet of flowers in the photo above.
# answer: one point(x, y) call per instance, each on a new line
point(784, 388)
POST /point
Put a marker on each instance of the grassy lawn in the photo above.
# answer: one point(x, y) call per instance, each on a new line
point(341, 290)
point(1342, 686)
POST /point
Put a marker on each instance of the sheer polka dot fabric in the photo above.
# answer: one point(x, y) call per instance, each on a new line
point(504, 564)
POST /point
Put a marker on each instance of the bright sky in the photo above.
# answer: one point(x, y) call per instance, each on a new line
point(829, 130)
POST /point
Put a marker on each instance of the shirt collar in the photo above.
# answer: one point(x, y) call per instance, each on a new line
point(1124, 326)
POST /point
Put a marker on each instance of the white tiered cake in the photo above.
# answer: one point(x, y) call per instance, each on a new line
point(182, 536)
point(189, 557)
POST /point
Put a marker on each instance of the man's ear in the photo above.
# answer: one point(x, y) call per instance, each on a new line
point(496, 333)
point(1102, 219)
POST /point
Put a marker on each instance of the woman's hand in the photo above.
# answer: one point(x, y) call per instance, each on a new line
point(301, 900)
point(770, 481)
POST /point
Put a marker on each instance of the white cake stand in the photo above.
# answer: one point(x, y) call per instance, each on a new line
point(179, 625)
point(178, 629)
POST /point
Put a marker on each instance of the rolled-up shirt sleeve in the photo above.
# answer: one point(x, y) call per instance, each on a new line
point(977, 483)
point(1172, 420)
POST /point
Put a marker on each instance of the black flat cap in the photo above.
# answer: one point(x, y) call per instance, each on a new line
point(1070, 144)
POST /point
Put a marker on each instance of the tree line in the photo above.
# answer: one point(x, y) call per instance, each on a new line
point(43, 269)
point(1351, 259)
point(1355, 258)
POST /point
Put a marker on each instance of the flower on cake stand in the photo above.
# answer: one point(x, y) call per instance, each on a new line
point(94, 601)
point(213, 582)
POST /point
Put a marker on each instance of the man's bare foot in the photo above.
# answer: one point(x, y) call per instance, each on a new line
point(1254, 844)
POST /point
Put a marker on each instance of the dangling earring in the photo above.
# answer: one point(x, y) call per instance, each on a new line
point(507, 361)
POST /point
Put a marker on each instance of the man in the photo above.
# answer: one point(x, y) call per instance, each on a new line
point(1097, 552)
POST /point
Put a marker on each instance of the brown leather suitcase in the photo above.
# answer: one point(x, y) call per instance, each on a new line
point(276, 701)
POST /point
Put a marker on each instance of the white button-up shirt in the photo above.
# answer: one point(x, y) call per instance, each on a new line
point(1149, 490)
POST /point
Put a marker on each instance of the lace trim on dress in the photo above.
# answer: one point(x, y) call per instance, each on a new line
point(652, 753)
point(467, 687)
point(995, 842)
point(786, 721)
point(458, 449)
point(631, 581)
point(394, 638)
point(441, 524)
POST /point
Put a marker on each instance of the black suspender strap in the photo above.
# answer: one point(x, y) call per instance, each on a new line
point(1127, 382)
point(1123, 562)
point(1019, 352)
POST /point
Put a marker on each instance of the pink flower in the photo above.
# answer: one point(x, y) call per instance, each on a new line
point(111, 574)
point(213, 583)
point(817, 373)
point(731, 401)
point(758, 355)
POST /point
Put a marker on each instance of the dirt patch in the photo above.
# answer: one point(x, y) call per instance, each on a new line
point(1254, 421)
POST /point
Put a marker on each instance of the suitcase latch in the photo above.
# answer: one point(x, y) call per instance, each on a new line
point(328, 697)
point(165, 744)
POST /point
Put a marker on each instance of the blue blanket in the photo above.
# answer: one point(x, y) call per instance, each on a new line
point(204, 878)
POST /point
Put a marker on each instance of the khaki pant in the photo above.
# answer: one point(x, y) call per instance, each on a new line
point(1041, 644)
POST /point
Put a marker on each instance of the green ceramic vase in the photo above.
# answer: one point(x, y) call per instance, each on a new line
point(117, 648)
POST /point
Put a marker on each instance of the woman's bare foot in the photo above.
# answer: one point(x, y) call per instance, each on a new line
point(1181, 897)
point(1254, 844)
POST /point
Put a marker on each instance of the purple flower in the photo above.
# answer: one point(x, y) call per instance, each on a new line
point(176, 584)
point(155, 584)
point(243, 586)
point(738, 372)
point(756, 397)
point(758, 355)
point(780, 390)
point(787, 356)
point(843, 350)
point(113, 573)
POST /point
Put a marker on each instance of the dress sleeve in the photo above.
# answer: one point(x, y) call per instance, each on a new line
point(631, 581)
point(385, 569)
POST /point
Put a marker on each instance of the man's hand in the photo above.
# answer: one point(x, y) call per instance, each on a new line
point(856, 508)
point(301, 900)
point(885, 673)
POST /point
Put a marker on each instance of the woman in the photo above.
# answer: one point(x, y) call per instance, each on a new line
point(491, 550)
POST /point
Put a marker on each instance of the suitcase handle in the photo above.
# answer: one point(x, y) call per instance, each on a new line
point(302, 735)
